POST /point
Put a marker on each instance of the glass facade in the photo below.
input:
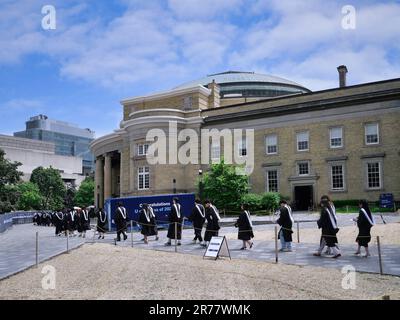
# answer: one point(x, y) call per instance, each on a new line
point(68, 139)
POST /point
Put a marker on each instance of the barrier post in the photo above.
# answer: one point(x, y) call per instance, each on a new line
point(67, 241)
point(379, 255)
point(37, 249)
point(298, 232)
point(131, 233)
point(276, 244)
point(176, 236)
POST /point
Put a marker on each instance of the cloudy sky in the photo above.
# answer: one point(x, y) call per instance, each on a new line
point(104, 51)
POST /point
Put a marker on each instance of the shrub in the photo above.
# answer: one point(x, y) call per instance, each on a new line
point(253, 200)
point(270, 201)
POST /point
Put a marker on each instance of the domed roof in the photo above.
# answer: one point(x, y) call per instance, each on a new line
point(240, 77)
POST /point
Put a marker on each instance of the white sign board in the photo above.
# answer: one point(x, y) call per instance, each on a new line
point(218, 247)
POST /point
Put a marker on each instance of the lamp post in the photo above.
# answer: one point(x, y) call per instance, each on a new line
point(201, 184)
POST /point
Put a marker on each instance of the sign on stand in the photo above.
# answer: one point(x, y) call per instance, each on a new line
point(218, 247)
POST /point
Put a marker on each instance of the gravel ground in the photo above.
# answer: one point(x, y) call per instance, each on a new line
point(103, 271)
point(389, 234)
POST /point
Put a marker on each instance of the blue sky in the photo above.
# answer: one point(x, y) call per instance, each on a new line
point(104, 51)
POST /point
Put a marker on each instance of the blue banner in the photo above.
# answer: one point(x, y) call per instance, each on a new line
point(161, 205)
point(386, 200)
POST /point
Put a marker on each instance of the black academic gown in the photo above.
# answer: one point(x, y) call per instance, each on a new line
point(153, 231)
point(196, 217)
point(144, 221)
point(85, 220)
point(172, 218)
point(364, 230)
point(328, 230)
point(101, 221)
point(286, 224)
point(245, 231)
point(212, 224)
point(120, 220)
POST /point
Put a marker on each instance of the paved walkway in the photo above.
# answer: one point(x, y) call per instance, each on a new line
point(17, 248)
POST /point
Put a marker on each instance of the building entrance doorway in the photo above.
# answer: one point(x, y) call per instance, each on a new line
point(303, 196)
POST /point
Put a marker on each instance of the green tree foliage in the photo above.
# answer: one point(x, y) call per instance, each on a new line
point(84, 197)
point(51, 187)
point(69, 199)
point(29, 196)
point(223, 186)
point(9, 176)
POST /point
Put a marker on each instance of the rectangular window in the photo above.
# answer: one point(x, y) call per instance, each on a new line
point(303, 168)
point(371, 133)
point(271, 142)
point(374, 175)
point(143, 178)
point(142, 149)
point(272, 181)
point(337, 174)
point(243, 148)
point(302, 141)
point(336, 137)
point(215, 152)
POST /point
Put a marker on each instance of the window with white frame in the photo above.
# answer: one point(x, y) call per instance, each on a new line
point(143, 178)
point(142, 149)
point(371, 133)
point(215, 151)
point(374, 175)
point(303, 141)
point(271, 142)
point(243, 148)
point(272, 181)
point(303, 168)
point(336, 137)
point(337, 177)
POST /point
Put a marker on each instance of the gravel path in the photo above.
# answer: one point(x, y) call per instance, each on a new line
point(102, 271)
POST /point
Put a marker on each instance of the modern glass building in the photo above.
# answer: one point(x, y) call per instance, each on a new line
point(69, 140)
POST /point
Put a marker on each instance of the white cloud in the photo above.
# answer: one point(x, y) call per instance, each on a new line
point(22, 103)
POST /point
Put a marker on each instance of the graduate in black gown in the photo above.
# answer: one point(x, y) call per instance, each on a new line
point(85, 222)
point(101, 223)
point(175, 218)
point(213, 218)
point(245, 226)
point(198, 217)
point(144, 221)
point(286, 222)
point(58, 222)
point(328, 224)
point(365, 222)
point(120, 221)
point(153, 229)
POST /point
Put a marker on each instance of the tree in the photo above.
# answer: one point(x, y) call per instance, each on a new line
point(29, 196)
point(223, 186)
point(51, 187)
point(85, 195)
point(9, 176)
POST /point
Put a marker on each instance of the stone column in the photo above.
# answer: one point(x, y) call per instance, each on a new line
point(107, 176)
point(99, 183)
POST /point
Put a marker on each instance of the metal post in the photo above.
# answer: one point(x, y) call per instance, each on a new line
point(276, 244)
point(67, 241)
point(132, 233)
point(176, 236)
point(298, 232)
point(37, 249)
point(380, 256)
